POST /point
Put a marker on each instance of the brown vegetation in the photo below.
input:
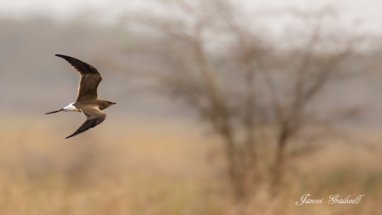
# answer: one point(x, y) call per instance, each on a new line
point(170, 171)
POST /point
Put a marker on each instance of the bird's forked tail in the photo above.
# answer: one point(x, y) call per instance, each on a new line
point(56, 111)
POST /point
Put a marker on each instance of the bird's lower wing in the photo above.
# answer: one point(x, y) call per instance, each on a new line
point(89, 123)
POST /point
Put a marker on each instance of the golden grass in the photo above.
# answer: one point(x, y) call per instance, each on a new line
point(162, 168)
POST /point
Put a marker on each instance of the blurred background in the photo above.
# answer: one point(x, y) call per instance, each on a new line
point(223, 107)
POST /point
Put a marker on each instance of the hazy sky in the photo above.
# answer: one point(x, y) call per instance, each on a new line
point(366, 11)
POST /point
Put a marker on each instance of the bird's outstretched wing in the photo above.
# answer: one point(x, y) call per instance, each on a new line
point(90, 78)
point(94, 116)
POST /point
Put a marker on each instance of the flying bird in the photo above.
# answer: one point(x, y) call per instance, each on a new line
point(87, 100)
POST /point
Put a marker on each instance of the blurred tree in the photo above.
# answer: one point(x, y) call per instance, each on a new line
point(244, 83)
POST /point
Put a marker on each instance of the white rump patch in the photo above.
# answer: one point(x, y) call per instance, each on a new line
point(70, 107)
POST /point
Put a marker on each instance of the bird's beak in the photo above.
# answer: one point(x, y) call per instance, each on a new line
point(114, 103)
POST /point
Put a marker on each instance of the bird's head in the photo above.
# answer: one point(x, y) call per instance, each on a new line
point(110, 103)
point(106, 104)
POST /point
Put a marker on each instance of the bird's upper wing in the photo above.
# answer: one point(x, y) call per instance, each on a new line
point(90, 78)
point(94, 116)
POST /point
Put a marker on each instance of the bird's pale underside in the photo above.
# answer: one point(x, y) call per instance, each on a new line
point(87, 99)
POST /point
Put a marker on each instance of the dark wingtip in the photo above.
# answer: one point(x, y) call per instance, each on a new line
point(62, 56)
point(72, 135)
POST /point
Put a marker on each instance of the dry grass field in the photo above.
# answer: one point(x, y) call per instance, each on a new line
point(165, 167)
